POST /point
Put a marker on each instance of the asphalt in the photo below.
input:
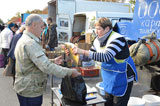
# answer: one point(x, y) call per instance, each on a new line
point(8, 96)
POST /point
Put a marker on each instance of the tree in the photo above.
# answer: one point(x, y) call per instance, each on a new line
point(18, 14)
point(1, 22)
point(36, 11)
point(28, 12)
point(132, 2)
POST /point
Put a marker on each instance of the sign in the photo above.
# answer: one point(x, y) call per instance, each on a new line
point(146, 18)
point(124, 28)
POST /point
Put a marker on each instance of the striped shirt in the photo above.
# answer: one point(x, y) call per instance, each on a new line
point(117, 48)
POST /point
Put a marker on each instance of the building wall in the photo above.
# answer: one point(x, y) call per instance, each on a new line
point(52, 10)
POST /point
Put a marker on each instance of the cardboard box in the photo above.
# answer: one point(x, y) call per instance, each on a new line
point(88, 38)
point(76, 33)
point(84, 46)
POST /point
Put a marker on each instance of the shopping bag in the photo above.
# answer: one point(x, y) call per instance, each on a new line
point(74, 89)
point(8, 70)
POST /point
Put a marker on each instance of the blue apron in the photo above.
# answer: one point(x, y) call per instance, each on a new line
point(114, 76)
point(114, 72)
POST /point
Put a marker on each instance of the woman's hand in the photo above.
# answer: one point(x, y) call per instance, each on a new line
point(58, 60)
point(77, 50)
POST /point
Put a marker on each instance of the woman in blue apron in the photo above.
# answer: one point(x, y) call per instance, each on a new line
point(117, 67)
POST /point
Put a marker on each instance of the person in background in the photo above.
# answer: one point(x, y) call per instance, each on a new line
point(51, 35)
point(16, 27)
point(5, 39)
point(33, 66)
point(117, 67)
point(12, 48)
point(44, 34)
point(1, 27)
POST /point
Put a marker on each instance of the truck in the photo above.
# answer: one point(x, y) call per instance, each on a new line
point(69, 15)
point(146, 21)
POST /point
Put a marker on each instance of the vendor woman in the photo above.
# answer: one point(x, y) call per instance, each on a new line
point(117, 67)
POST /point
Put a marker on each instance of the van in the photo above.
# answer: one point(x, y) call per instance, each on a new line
point(66, 14)
point(83, 22)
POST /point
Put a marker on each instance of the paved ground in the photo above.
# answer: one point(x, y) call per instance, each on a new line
point(9, 98)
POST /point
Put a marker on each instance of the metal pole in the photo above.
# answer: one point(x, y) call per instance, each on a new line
point(52, 102)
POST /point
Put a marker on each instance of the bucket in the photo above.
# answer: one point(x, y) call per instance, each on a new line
point(101, 90)
point(136, 101)
point(151, 100)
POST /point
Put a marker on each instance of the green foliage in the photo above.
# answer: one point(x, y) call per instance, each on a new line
point(18, 14)
point(1, 22)
point(36, 11)
point(28, 12)
point(132, 2)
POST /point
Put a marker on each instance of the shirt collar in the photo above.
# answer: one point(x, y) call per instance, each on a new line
point(32, 36)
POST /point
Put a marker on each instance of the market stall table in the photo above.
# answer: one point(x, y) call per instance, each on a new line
point(64, 102)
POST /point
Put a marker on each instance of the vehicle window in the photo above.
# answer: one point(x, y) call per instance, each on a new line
point(63, 23)
point(114, 21)
point(63, 36)
point(125, 20)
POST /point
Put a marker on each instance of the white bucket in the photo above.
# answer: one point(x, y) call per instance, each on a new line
point(135, 101)
point(100, 88)
point(151, 100)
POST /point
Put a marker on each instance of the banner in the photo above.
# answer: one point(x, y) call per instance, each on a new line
point(146, 18)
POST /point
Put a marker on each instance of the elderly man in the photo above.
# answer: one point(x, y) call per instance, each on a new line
point(32, 65)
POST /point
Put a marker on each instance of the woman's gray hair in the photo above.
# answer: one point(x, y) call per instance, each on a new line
point(32, 18)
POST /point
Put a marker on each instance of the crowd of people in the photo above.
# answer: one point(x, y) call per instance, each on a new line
point(25, 46)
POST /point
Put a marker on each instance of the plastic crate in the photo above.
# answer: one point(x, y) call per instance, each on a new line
point(89, 71)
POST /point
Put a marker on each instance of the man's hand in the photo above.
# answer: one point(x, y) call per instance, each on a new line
point(75, 73)
point(58, 60)
point(66, 51)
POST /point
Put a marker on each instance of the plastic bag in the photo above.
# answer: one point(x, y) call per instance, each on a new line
point(74, 89)
point(8, 71)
